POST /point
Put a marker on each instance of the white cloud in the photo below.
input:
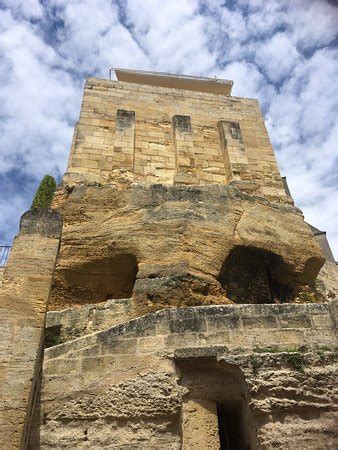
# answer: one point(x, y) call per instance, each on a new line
point(27, 9)
point(282, 51)
point(313, 23)
point(172, 35)
point(91, 38)
point(248, 79)
point(38, 101)
point(277, 57)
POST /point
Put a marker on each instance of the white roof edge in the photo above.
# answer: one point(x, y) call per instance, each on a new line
point(175, 81)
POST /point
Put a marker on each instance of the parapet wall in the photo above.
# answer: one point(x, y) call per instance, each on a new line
point(291, 320)
point(129, 385)
point(245, 326)
point(71, 323)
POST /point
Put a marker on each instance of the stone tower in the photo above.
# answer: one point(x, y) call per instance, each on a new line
point(187, 303)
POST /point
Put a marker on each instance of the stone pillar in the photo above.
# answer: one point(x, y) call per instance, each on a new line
point(200, 425)
point(185, 157)
point(235, 158)
point(23, 302)
point(124, 141)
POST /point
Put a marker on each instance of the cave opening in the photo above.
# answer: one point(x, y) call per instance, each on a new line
point(97, 280)
point(251, 275)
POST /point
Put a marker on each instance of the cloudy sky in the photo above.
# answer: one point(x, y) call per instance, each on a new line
point(283, 52)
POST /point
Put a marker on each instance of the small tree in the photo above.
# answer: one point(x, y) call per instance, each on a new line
point(44, 194)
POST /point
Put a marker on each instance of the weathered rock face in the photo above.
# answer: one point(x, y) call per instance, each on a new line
point(167, 245)
point(327, 280)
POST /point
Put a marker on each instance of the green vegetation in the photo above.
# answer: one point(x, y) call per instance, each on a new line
point(255, 363)
point(44, 194)
point(325, 348)
point(277, 349)
point(293, 356)
point(322, 351)
point(321, 355)
point(307, 294)
point(296, 361)
point(270, 349)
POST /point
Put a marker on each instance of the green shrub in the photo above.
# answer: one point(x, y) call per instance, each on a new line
point(44, 194)
point(296, 361)
point(255, 363)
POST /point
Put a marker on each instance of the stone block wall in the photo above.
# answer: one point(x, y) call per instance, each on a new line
point(235, 157)
point(23, 303)
point(147, 383)
point(71, 323)
point(154, 146)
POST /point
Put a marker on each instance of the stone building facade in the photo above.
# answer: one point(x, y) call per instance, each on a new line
point(174, 297)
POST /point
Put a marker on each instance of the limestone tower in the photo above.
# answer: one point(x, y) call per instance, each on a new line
point(182, 300)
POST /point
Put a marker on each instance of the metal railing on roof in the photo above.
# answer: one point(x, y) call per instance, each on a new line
point(4, 252)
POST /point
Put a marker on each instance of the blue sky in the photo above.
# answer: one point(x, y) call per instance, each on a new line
point(283, 52)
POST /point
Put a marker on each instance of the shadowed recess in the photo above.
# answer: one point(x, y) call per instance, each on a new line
point(220, 411)
point(251, 275)
point(98, 280)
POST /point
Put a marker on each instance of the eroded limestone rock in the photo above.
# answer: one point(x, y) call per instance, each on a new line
point(166, 245)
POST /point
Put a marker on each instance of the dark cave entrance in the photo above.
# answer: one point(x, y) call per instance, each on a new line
point(251, 275)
